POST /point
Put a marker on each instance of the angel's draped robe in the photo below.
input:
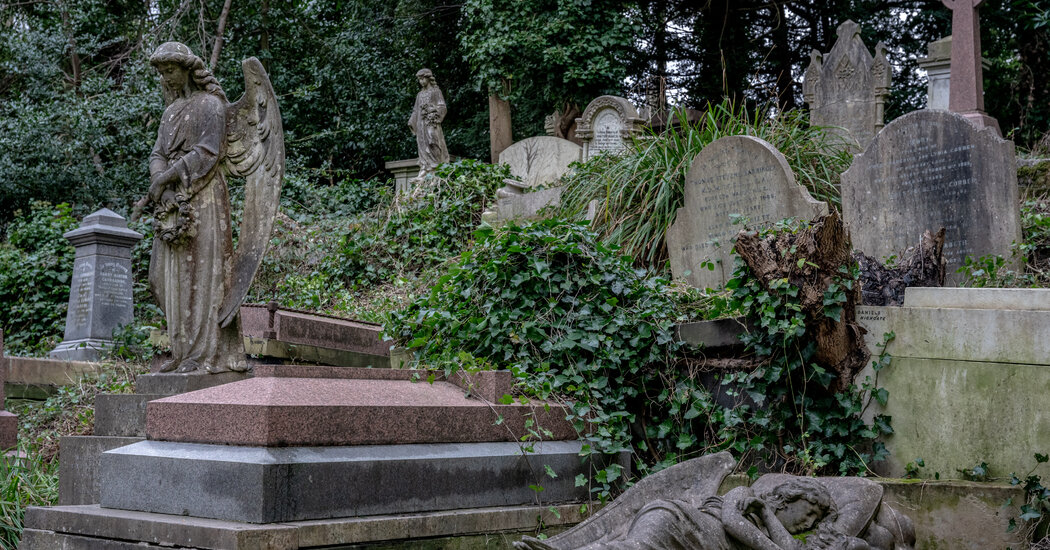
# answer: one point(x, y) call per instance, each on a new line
point(190, 279)
point(430, 139)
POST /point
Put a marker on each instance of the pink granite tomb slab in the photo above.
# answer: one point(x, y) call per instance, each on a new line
point(293, 411)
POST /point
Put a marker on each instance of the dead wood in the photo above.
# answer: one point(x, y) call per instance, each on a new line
point(811, 259)
point(922, 265)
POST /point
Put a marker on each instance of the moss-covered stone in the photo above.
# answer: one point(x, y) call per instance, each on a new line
point(1034, 174)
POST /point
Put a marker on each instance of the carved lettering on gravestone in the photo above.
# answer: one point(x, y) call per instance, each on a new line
point(606, 125)
point(100, 292)
point(847, 87)
point(933, 169)
point(733, 176)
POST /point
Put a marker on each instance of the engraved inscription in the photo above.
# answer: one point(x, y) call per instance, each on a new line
point(82, 293)
point(941, 178)
point(114, 284)
point(870, 314)
point(608, 132)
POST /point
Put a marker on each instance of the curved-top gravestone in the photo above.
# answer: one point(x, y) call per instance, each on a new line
point(540, 160)
point(606, 125)
point(933, 169)
point(733, 176)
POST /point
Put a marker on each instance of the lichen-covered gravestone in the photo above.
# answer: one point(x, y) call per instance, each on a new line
point(847, 87)
point(100, 294)
point(933, 169)
point(534, 162)
point(734, 175)
point(606, 125)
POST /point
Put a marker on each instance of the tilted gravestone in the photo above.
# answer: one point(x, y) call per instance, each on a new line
point(534, 163)
point(606, 125)
point(100, 294)
point(847, 87)
point(734, 175)
point(932, 169)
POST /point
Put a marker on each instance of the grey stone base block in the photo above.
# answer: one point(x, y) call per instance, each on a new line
point(78, 466)
point(122, 414)
point(273, 484)
point(176, 383)
point(92, 527)
point(87, 349)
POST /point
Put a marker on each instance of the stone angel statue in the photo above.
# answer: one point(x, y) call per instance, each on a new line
point(197, 277)
point(678, 509)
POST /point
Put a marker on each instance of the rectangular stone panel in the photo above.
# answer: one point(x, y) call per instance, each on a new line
point(262, 485)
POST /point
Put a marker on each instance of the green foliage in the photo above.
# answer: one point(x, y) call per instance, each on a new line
point(911, 469)
point(1037, 497)
point(787, 414)
point(977, 473)
point(420, 230)
point(26, 479)
point(544, 54)
point(640, 192)
point(569, 317)
point(36, 263)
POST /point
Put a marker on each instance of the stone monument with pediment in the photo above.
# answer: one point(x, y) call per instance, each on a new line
point(606, 125)
point(733, 176)
point(931, 169)
point(100, 294)
point(847, 87)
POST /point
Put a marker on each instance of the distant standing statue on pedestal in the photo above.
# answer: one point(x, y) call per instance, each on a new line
point(425, 122)
point(195, 274)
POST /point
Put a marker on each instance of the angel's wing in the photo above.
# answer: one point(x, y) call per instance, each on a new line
point(254, 151)
point(692, 481)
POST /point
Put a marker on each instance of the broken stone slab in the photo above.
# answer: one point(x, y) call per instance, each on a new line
point(266, 484)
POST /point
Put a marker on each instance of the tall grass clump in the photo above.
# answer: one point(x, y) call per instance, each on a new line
point(639, 192)
point(26, 479)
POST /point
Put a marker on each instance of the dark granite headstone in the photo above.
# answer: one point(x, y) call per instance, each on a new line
point(100, 295)
point(933, 169)
point(734, 175)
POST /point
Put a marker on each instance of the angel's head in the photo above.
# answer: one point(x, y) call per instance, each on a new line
point(425, 77)
point(182, 72)
point(800, 504)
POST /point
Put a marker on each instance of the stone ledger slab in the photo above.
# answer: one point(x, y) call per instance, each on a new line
point(264, 485)
point(732, 176)
point(933, 169)
point(92, 527)
point(326, 411)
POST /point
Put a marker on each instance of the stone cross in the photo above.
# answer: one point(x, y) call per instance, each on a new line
point(967, 82)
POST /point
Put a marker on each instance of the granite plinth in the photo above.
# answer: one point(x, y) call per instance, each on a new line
point(122, 414)
point(94, 528)
point(265, 484)
point(78, 466)
point(176, 383)
point(327, 411)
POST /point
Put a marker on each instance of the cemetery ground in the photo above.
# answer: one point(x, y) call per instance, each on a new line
point(466, 296)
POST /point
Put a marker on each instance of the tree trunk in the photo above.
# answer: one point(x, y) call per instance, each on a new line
point(71, 41)
point(264, 35)
point(217, 48)
point(810, 260)
point(500, 136)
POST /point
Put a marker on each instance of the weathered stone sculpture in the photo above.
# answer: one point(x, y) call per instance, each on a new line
point(425, 122)
point(677, 509)
point(195, 274)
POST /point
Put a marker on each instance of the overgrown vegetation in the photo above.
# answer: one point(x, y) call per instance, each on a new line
point(640, 192)
point(36, 264)
point(573, 320)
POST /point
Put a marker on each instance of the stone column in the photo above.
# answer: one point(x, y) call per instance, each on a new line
point(938, 64)
point(100, 295)
point(8, 420)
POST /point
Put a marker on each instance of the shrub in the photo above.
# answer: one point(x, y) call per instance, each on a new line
point(36, 263)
